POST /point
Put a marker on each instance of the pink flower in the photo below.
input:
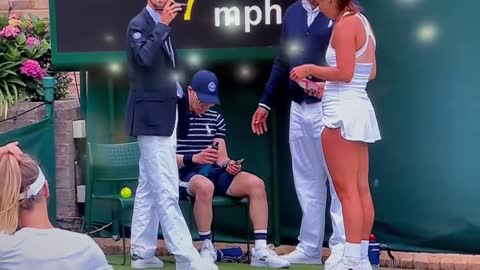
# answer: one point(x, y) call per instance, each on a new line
point(10, 31)
point(32, 69)
point(32, 41)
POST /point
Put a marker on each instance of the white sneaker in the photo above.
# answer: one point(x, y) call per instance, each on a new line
point(200, 264)
point(348, 263)
point(208, 251)
point(266, 257)
point(141, 263)
point(297, 257)
point(365, 264)
point(336, 254)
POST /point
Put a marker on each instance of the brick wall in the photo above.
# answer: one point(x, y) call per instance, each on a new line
point(65, 112)
point(37, 7)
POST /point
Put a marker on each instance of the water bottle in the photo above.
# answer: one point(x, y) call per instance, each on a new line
point(205, 169)
point(374, 251)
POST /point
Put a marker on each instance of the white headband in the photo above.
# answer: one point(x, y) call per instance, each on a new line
point(35, 187)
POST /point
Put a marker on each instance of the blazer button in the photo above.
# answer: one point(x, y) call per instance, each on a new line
point(307, 33)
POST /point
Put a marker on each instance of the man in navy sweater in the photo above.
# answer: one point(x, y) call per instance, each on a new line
point(305, 36)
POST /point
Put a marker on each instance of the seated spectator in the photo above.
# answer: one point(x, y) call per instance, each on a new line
point(37, 244)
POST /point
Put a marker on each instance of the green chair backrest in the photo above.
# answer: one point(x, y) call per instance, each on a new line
point(111, 165)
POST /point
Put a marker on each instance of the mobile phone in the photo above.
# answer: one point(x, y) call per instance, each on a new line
point(308, 85)
point(183, 6)
point(240, 161)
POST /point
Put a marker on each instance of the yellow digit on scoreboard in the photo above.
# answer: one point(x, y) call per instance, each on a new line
point(188, 13)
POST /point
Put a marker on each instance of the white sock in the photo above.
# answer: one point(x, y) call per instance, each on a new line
point(260, 241)
point(207, 234)
point(364, 246)
point(352, 250)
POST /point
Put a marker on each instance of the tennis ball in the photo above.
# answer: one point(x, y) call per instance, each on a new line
point(126, 193)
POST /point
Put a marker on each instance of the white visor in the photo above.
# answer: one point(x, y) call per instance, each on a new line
point(35, 187)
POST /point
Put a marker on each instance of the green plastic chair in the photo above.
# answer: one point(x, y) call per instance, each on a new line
point(111, 167)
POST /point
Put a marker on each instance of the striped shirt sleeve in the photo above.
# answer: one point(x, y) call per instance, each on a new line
point(221, 127)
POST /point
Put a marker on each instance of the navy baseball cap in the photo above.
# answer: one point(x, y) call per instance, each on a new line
point(205, 85)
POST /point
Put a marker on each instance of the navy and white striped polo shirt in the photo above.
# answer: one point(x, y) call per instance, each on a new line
point(203, 129)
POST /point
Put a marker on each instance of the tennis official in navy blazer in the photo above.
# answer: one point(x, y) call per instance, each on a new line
point(153, 72)
point(157, 111)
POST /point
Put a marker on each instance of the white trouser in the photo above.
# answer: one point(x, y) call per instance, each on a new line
point(311, 178)
point(156, 201)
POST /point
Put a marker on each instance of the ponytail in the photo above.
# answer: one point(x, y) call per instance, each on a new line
point(16, 176)
point(10, 184)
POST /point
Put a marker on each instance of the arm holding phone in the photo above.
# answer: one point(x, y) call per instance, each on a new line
point(144, 44)
point(224, 161)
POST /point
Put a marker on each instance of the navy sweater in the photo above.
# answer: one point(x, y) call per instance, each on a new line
point(312, 41)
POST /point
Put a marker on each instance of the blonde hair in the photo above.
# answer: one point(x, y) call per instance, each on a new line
point(15, 177)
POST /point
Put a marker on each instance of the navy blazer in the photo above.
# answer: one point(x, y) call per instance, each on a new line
point(313, 41)
point(152, 101)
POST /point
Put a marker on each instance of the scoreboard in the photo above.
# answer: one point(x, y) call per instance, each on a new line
point(95, 30)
